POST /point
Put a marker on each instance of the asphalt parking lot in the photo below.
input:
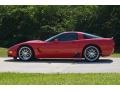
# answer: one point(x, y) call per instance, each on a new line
point(104, 65)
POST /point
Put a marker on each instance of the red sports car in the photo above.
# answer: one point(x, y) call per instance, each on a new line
point(64, 45)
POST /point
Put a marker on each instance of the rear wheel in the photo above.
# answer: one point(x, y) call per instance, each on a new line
point(91, 53)
point(25, 53)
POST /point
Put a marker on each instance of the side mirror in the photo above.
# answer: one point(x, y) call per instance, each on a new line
point(55, 40)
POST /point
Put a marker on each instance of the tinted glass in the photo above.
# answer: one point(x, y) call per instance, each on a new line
point(67, 37)
point(90, 36)
point(53, 38)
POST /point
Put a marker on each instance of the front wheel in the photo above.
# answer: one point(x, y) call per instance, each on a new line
point(91, 53)
point(25, 53)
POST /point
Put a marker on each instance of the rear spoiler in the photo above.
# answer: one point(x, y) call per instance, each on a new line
point(112, 38)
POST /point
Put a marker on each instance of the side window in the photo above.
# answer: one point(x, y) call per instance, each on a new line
point(68, 37)
point(90, 36)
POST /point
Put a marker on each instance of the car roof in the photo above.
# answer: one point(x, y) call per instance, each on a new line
point(73, 32)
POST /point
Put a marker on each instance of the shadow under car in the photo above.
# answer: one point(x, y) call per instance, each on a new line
point(101, 61)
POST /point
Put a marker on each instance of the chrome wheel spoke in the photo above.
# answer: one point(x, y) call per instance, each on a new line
point(91, 53)
point(25, 53)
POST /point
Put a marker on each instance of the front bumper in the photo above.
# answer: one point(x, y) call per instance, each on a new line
point(12, 53)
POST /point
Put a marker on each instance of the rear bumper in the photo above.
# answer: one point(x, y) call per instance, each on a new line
point(108, 47)
point(107, 52)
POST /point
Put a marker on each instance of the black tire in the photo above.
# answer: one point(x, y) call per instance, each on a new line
point(15, 58)
point(91, 53)
point(25, 53)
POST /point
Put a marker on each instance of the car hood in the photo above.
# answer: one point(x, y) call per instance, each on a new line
point(27, 42)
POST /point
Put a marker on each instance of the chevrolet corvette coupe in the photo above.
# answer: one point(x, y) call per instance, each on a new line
point(64, 45)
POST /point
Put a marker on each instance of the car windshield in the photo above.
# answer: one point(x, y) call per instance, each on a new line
point(53, 37)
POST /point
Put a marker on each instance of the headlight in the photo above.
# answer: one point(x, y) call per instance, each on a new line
point(10, 52)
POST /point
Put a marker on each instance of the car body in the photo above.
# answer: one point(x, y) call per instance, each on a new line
point(65, 45)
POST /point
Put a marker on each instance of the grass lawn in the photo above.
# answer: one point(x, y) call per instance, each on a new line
point(116, 55)
point(3, 53)
point(60, 79)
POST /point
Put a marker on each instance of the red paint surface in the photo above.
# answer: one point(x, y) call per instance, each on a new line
point(65, 49)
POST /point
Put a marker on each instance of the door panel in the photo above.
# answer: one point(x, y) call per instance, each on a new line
point(50, 50)
point(66, 46)
point(60, 49)
point(68, 49)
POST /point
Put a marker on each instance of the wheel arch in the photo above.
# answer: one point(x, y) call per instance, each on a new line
point(91, 45)
point(26, 46)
